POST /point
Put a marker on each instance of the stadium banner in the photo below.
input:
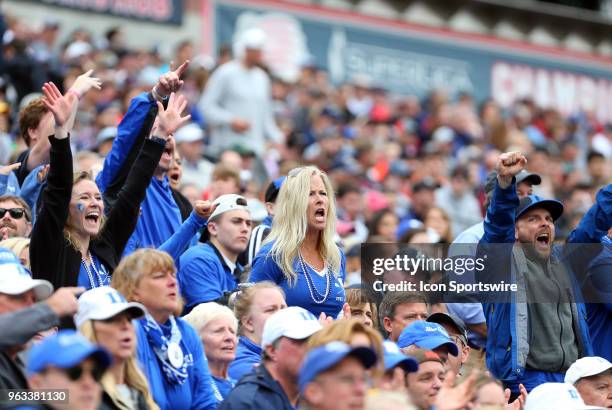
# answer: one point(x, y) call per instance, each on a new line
point(154, 11)
point(409, 59)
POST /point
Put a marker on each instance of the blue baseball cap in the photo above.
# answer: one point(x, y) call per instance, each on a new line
point(323, 358)
point(426, 335)
point(65, 349)
point(15, 279)
point(533, 201)
point(394, 357)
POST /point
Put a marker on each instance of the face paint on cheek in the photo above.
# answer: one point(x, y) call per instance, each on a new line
point(80, 207)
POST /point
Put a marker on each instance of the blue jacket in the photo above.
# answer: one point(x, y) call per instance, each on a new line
point(160, 215)
point(204, 276)
point(508, 340)
point(248, 354)
point(196, 392)
point(257, 391)
point(181, 239)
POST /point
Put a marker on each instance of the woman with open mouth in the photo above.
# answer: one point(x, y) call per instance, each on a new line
point(300, 254)
point(71, 244)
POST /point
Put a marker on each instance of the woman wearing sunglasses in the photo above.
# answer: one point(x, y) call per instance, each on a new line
point(168, 348)
point(71, 244)
point(105, 318)
point(300, 254)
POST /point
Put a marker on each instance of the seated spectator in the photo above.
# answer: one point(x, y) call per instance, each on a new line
point(15, 217)
point(425, 384)
point(217, 326)
point(253, 306)
point(383, 224)
point(361, 309)
point(274, 384)
point(428, 336)
point(67, 361)
point(399, 309)
point(225, 181)
point(105, 318)
point(555, 396)
point(209, 271)
point(190, 144)
point(397, 367)
point(168, 348)
point(336, 370)
point(457, 332)
point(489, 394)
point(592, 377)
point(20, 247)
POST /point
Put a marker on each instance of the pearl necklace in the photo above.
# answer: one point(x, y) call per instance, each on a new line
point(311, 284)
point(89, 273)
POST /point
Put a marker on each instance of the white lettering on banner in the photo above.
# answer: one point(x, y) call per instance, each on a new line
point(154, 9)
point(567, 92)
point(403, 70)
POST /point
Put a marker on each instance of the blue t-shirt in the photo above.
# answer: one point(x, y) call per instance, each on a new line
point(196, 392)
point(224, 386)
point(301, 293)
point(248, 355)
point(203, 275)
point(102, 280)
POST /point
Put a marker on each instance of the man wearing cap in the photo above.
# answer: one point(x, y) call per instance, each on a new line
point(397, 367)
point(458, 334)
point(558, 396)
point(427, 336)
point(534, 342)
point(263, 229)
point(466, 244)
point(237, 102)
point(67, 361)
point(189, 143)
point(424, 385)
point(274, 384)
point(336, 370)
point(24, 317)
point(592, 377)
point(210, 272)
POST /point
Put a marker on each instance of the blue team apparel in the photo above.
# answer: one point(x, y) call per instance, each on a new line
point(248, 355)
point(309, 287)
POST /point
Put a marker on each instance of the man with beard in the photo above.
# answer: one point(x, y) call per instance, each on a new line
point(15, 217)
point(533, 343)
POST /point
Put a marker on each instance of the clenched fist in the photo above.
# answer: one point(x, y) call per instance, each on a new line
point(508, 165)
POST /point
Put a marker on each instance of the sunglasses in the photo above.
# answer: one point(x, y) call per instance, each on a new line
point(15, 213)
point(76, 372)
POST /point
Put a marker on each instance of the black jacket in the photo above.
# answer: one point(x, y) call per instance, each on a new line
point(52, 257)
point(257, 391)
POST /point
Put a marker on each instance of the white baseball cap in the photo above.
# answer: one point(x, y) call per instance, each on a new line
point(585, 367)
point(558, 396)
point(293, 322)
point(15, 279)
point(103, 303)
point(189, 133)
point(254, 38)
point(228, 202)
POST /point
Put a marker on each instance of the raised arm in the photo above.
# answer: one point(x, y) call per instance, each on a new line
point(134, 128)
point(596, 221)
point(124, 214)
point(499, 221)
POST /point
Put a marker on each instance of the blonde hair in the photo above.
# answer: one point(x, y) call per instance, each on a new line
point(244, 300)
point(133, 267)
point(76, 178)
point(291, 222)
point(203, 313)
point(134, 377)
point(343, 330)
point(16, 245)
point(356, 301)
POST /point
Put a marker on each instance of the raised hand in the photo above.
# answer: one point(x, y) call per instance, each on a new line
point(171, 82)
point(7, 169)
point(203, 208)
point(84, 83)
point(519, 402)
point(508, 165)
point(457, 397)
point(60, 106)
point(170, 119)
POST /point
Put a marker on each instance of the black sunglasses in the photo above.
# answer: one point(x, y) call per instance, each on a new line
point(16, 213)
point(76, 372)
